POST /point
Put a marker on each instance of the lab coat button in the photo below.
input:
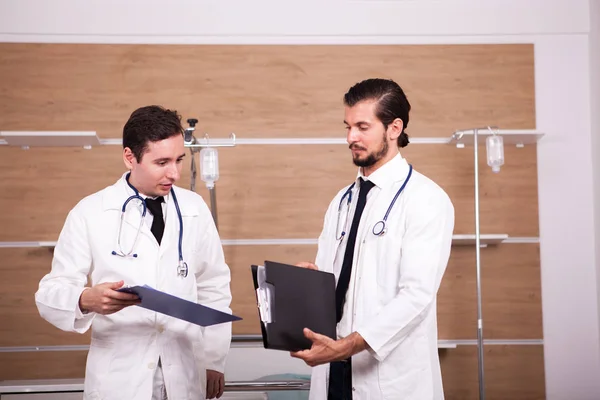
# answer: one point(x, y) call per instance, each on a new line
point(151, 365)
point(161, 328)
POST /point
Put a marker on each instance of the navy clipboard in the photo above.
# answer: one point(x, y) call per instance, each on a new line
point(176, 307)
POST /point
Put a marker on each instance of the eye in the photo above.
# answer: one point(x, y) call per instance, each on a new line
point(179, 160)
point(162, 163)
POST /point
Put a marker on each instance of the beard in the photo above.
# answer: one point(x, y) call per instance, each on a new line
point(372, 158)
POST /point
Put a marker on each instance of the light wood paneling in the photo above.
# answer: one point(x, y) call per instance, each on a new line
point(511, 293)
point(278, 191)
point(265, 191)
point(511, 372)
point(20, 272)
point(261, 91)
point(43, 365)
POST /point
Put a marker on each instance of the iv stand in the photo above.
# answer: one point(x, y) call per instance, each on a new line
point(213, 204)
point(194, 145)
point(457, 136)
point(478, 263)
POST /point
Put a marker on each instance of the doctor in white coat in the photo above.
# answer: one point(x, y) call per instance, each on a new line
point(135, 353)
point(388, 259)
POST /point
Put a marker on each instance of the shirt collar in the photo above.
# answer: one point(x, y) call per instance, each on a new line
point(389, 173)
point(131, 192)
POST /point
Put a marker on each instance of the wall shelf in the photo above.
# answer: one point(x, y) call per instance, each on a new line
point(88, 139)
point(256, 341)
point(484, 239)
point(457, 240)
point(518, 138)
point(27, 139)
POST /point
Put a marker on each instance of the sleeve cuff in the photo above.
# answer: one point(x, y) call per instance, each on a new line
point(372, 346)
point(83, 321)
point(78, 313)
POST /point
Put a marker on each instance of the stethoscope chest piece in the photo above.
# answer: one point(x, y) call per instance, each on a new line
point(379, 229)
point(182, 269)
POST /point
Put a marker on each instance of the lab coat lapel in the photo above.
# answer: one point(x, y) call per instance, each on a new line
point(171, 235)
point(133, 214)
point(133, 219)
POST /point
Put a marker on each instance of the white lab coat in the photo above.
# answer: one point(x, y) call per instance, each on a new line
point(126, 346)
point(391, 299)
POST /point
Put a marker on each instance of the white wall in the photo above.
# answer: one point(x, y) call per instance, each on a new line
point(565, 70)
point(238, 20)
point(566, 208)
point(595, 114)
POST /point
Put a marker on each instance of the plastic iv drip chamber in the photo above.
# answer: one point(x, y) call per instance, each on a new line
point(209, 166)
point(495, 152)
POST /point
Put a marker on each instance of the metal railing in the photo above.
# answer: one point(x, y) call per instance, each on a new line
point(76, 385)
point(266, 386)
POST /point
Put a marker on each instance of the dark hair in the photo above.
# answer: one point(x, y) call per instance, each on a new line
point(150, 124)
point(391, 102)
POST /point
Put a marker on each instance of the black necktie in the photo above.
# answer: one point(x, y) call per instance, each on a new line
point(158, 222)
point(344, 279)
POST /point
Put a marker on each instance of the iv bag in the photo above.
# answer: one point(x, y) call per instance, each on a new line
point(209, 166)
point(495, 152)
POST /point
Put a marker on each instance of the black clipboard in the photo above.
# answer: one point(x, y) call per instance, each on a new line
point(291, 298)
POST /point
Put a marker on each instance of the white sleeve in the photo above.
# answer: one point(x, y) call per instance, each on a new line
point(57, 297)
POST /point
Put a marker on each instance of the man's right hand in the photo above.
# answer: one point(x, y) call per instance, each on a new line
point(306, 264)
point(104, 299)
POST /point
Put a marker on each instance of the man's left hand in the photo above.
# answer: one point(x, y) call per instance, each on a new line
point(215, 384)
point(325, 350)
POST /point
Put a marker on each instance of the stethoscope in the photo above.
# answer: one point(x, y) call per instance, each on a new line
point(182, 268)
point(380, 227)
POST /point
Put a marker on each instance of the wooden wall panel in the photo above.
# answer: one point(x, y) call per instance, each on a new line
point(511, 372)
point(265, 191)
point(43, 365)
point(278, 192)
point(511, 301)
point(20, 272)
point(261, 91)
point(511, 289)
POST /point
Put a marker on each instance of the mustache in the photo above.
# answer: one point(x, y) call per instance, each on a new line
point(354, 146)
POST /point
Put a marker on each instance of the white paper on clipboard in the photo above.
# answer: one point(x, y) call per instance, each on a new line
point(266, 296)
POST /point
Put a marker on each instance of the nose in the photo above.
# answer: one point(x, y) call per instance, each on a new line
point(352, 136)
point(173, 172)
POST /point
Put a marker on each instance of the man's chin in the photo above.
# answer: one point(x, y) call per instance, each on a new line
point(362, 161)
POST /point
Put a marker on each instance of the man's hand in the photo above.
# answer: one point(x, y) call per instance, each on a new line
point(325, 350)
point(306, 264)
point(104, 299)
point(215, 384)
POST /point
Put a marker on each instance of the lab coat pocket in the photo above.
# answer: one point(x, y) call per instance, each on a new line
point(404, 373)
point(387, 251)
point(100, 352)
point(98, 365)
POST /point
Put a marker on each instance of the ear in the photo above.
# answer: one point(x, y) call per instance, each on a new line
point(129, 158)
point(395, 129)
